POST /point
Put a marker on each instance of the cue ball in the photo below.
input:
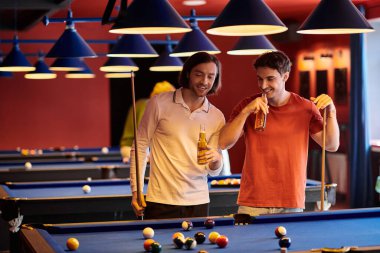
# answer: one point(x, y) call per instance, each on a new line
point(86, 188)
point(284, 242)
point(148, 233)
point(28, 165)
point(222, 241)
point(187, 225)
point(209, 223)
point(72, 243)
point(105, 150)
point(280, 231)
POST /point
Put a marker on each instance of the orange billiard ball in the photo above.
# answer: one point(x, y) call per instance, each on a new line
point(148, 244)
point(72, 243)
point(222, 241)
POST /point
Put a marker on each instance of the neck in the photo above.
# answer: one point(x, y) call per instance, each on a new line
point(191, 100)
point(281, 100)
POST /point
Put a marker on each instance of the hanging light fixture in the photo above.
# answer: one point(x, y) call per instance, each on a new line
point(81, 74)
point(165, 62)
point(118, 75)
point(67, 64)
point(149, 17)
point(119, 64)
point(16, 61)
point(335, 17)
point(194, 2)
point(42, 70)
point(245, 18)
point(70, 44)
point(252, 45)
point(132, 45)
point(194, 41)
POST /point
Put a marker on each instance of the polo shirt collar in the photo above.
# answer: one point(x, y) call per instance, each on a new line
point(178, 99)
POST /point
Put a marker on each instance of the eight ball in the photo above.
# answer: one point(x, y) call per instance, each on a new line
point(284, 242)
point(156, 247)
point(200, 237)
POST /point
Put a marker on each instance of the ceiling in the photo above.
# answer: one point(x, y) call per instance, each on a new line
point(22, 15)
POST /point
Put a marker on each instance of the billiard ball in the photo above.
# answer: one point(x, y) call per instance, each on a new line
point(187, 225)
point(280, 231)
point(209, 223)
point(28, 165)
point(105, 150)
point(148, 244)
point(213, 236)
point(179, 242)
point(156, 247)
point(148, 233)
point(72, 243)
point(200, 237)
point(178, 234)
point(203, 251)
point(190, 243)
point(222, 241)
point(284, 242)
point(86, 188)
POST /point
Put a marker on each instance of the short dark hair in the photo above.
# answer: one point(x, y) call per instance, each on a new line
point(275, 60)
point(194, 60)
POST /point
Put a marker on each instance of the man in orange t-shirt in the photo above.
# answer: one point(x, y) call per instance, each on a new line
point(274, 172)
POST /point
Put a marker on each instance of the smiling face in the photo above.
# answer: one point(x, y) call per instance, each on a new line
point(202, 78)
point(272, 83)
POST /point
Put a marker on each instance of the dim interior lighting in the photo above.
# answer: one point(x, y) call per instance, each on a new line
point(194, 41)
point(118, 75)
point(16, 61)
point(149, 17)
point(132, 45)
point(70, 44)
point(194, 2)
point(252, 45)
point(42, 70)
point(167, 63)
point(67, 64)
point(335, 17)
point(119, 64)
point(245, 18)
point(4, 73)
point(81, 74)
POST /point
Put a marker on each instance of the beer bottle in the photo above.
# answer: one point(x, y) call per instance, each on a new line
point(202, 145)
point(261, 118)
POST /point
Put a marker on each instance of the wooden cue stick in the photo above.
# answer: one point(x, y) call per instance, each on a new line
point(323, 161)
point(135, 139)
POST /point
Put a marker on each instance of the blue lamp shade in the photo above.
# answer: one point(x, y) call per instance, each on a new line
point(42, 71)
point(16, 61)
point(252, 45)
point(335, 17)
point(245, 18)
point(119, 64)
point(70, 44)
point(67, 64)
point(4, 73)
point(132, 45)
point(150, 17)
point(193, 42)
point(167, 63)
point(118, 75)
point(86, 73)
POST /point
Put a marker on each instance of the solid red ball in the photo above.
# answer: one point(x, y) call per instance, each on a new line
point(222, 241)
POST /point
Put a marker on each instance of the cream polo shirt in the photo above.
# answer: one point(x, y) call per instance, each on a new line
point(171, 131)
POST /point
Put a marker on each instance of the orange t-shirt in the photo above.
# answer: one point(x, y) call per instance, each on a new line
point(274, 170)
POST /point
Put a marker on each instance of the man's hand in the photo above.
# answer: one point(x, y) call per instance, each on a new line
point(138, 209)
point(258, 104)
point(323, 101)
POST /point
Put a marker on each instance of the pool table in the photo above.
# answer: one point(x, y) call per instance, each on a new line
point(311, 230)
point(59, 154)
point(68, 170)
point(64, 201)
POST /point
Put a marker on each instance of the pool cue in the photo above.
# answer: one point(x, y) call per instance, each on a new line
point(323, 161)
point(139, 201)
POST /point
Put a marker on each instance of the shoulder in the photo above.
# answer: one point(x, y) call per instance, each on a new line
point(301, 100)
